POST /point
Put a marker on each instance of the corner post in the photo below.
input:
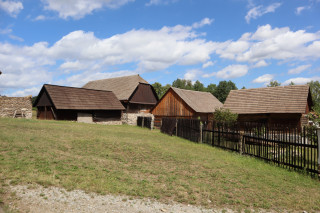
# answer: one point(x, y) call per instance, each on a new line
point(201, 126)
point(318, 134)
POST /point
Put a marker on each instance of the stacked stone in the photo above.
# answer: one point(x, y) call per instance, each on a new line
point(131, 118)
point(11, 105)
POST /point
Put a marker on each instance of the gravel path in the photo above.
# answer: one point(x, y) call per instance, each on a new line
point(53, 199)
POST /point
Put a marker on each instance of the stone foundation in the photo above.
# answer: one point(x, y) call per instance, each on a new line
point(131, 118)
point(87, 118)
point(11, 106)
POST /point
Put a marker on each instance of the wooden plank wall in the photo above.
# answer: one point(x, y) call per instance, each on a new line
point(171, 105)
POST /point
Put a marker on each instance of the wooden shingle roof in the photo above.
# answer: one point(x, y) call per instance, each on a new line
point(202, 102)
point(123, 87)
point(81, 99)
point(282, 99)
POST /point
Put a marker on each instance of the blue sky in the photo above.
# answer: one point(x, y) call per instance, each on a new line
point(71, 42)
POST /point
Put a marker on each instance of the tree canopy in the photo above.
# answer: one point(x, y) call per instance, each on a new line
point(315, 92)
point(273, 84)
point(223, 89)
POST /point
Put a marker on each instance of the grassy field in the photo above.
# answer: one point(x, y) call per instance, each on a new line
point(142, 163)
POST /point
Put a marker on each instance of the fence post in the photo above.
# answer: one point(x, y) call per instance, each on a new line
point(201, 126)
point(318, 134)
point(241, 143)
point(142, 122)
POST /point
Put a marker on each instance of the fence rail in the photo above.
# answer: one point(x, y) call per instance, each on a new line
point(283, 145)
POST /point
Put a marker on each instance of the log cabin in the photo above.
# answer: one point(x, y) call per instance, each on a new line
point(135, 94)
point(181, 103)
point(287, 105)
point(78, 104)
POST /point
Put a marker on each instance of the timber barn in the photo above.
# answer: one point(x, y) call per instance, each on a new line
point(135, 94)
point(181, 103)
point(273, 105)
point(78, 104)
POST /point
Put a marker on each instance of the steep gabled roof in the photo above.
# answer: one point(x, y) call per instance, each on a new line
point(202, 102)
point(123, 87)
point(282, 99)
point(80, 98)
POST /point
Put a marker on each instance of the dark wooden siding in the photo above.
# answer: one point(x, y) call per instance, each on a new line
point(291, 119)
point(144, 95)
point(44, 99)
point(103, 115)
point(45, 113)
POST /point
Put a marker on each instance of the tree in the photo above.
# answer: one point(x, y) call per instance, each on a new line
point(273, 84)
point(198, 86)
point(182, 84)
point(225, 116)
point(211, 88)
point(223, 89)
point(33, 99)
point(160, 90)
point(292, 83)
point(315, 92)
point(243, 87)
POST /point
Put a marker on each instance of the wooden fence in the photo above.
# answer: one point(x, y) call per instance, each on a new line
point(284, 146)
point(144, 122)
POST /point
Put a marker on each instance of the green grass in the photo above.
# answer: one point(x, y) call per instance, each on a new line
point(142, 163)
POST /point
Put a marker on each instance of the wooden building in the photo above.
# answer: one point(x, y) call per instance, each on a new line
point(135, 94)
point(70, 103)
point(273, 105)
point(181, 103)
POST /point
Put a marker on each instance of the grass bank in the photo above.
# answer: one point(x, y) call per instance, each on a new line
point(142, 163)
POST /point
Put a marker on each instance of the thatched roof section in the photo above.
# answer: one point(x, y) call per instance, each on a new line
point(282, 99)
point(202, 102)
point(80, 98)
point(123, 87)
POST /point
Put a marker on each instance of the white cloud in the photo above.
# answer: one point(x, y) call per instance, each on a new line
point(272, 43)
point(233, 71)
point(77, 9)
point(85, 57)
point(30, 91)
point(160, 2)
point(301, 80)
point(263, 79)
point(192, 74)
point(300, 9)
point(258, 11)
point(207, 64)
point(299, 69)
point(261, 63)
point(13, 8)
point(39, 18)
point(203, 22)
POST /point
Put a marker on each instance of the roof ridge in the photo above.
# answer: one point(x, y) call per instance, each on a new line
point(263, 88)
point(190, 90)
point(77, 88)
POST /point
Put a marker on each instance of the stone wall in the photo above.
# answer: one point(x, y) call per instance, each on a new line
point(19, 105)
point(87, 118)
point(131, 118)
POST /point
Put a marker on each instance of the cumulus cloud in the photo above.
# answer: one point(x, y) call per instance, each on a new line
point(77, 9)
point(301, 80)
point(260, 10)
point(87, 57)
point(263, 79)
point(203, 22)
point(233, 71)
point(299, 69)
point(192, 74)
point(13, 8)
point(261, 63)
point(272, 43)
point(207, 64)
